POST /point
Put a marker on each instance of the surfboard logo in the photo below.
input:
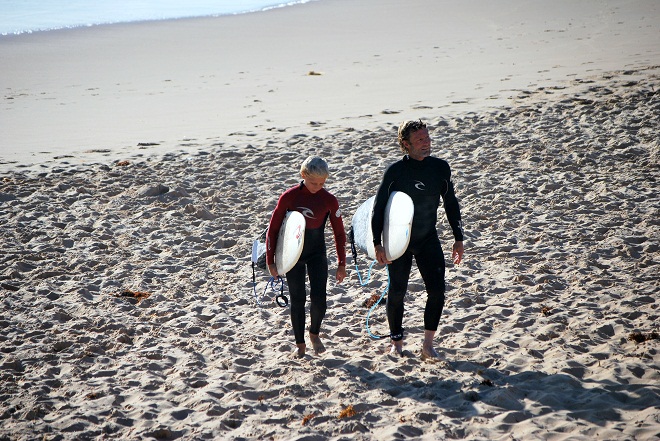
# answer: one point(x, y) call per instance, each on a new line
point(420, 186)
point(298, 233)
point(307, 212)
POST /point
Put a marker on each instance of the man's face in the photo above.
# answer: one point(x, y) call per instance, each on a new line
point(419, 145)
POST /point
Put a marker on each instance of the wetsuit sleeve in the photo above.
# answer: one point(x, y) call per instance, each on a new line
point(382, 196)
point(274, 226)
point(453, 211)
point(337, 224)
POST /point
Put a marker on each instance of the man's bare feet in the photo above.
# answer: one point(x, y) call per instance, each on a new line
point(301, 350)
point(396, 348)
point(429, 353)
point(317, 345)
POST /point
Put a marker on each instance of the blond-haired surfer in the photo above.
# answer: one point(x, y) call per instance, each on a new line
point(317, 205)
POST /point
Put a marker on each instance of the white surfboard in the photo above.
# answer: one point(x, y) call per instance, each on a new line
point(290, 242)
point(396, 230)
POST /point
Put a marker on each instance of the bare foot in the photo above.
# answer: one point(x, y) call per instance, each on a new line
point(429, 353)
point(301, 350)
point(317, 345)
point(396, 348)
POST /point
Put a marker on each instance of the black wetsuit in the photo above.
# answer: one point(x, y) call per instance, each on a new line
point(426, 182)
point(317, 208)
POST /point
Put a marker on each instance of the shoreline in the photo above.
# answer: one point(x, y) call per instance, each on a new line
point(32, 28)
point(189, 81)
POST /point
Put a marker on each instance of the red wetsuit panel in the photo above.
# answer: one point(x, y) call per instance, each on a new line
point(316, 207)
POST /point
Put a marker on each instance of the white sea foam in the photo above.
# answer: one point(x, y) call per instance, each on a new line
point(26, 16)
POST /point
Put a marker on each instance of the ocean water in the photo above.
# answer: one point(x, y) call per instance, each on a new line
point(21, 16)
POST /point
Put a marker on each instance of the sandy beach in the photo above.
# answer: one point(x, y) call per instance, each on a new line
point(138, 162)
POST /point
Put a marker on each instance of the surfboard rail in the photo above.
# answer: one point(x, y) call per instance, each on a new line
point(290, 242)
point(396, 229)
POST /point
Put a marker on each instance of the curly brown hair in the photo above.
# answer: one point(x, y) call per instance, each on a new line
point(406, 128)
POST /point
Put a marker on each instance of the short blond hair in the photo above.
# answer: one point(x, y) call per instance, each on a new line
point(315, 166)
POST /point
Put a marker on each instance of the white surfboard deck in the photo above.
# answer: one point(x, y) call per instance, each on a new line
point(290, 242)
point(396, 230)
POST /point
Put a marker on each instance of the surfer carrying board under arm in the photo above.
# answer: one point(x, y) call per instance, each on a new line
point(427, 180)
point(317, 205)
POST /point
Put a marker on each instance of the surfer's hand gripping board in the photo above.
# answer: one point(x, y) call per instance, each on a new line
point(396, 229)
point(289, 246)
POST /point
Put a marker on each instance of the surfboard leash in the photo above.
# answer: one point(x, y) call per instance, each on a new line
point(275, 285)
point(366, 324)
point(280, 299)
point(351, 237)
point(357, 270)
point(355, 259)
point(254, 285)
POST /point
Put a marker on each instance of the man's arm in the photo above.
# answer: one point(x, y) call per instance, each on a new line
point(453, 212)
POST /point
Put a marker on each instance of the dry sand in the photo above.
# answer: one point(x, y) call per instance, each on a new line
point(129, 310)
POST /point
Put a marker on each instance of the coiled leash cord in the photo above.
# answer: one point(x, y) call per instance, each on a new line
point(275, 285)
point(363, 283)
point(280, 298)
point(368, 273)
point(355, 259)
point(366, 323)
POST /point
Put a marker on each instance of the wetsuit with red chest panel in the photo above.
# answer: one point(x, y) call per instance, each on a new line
point(317, 208)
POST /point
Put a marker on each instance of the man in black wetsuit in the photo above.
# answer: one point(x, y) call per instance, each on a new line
point(426, 180)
